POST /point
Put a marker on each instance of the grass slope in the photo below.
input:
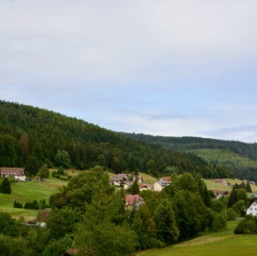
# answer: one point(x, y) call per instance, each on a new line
point(224, 157)
point(221, 243)
point(24, 192)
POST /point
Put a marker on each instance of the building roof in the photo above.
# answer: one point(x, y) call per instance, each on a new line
point(12, 171)
point(131, 199)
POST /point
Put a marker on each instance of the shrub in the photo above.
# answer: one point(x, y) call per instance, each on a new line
point(247, 226)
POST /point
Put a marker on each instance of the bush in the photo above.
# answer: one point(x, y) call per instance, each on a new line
point(231, 214)
point(17, 204)
point(247, 226)
point(219, 221)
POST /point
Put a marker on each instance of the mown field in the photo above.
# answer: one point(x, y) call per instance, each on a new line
point(23, 192)
point(224, 157)
point(223, 243)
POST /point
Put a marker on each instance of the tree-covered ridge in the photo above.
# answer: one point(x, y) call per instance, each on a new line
point(237, 158)
point(31, 136)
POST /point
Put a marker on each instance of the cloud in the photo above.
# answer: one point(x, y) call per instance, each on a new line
point(162, 67)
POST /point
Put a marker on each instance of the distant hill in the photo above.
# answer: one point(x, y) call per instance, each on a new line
point(237, 157)
point(30, 136)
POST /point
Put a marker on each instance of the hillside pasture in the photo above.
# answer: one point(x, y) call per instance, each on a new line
point(221, 243)
point(29, 191)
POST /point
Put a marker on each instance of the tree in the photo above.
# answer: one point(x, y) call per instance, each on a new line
point(43, 172)
point(166, 226)
point(8, 226)
point(61, 222)
point(134, 190)
point(144, 226)
point(5, 186)
point(62, 158)
point(32, 165)
point(248, 187)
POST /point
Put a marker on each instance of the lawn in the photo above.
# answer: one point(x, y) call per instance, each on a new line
point(24, 192)
point(223, 243)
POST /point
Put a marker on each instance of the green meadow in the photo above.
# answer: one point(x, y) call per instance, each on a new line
point(223, 243)
point(29, 191)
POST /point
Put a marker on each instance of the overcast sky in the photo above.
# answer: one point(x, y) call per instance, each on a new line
point(160, 67)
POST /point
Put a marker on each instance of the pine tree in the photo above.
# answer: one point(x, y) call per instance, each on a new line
point(5, 186)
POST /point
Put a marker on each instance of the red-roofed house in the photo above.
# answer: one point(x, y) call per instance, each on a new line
point(17, 173)
point(133, 201)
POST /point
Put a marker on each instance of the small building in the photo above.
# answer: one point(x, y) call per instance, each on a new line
point(252, 210)
point(159, 185)
point(17, 173)
point(220, 193)
point(133, 201)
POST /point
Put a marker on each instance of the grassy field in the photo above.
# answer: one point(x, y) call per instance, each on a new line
point(223, 243)
point(27, 192)
point(224, 157)
point(212, 185)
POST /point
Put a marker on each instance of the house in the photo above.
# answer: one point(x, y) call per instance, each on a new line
point(219, 193)
point(122, 179)
point(42, 217)
point(133, 201)
point(145, 186)
point(252, 210)
point(159, 185)
point(40, 220)
point(17, 173)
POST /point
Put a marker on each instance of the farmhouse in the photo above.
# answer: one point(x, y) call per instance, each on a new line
point(220, 193)
point(162, 183)
point(17, 173)
point(123, 179)
point(133, 201)
point(252, 210)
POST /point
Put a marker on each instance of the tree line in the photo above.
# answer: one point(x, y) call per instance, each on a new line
point(89, 216)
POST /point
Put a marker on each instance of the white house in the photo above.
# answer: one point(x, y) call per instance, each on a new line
point(17, 173)
point(252, 210)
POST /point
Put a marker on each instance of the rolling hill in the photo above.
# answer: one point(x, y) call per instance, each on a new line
point(30, 136)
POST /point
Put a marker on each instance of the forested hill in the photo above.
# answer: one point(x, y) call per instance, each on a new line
point(237, 157)
point(193, 143)
point(30, 137)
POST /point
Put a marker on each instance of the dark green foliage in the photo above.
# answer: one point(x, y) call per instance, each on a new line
point(10, 151)
point(43, 172)
point(17, 204)
point(247, 226)
point(32, 205)
point(58, 247)
point(32, 165)
point(231, 214)
point(218, 221)
point(8, 226)
point(62, 158)
point(166, 225)
point(248, 187)
point(38, 136)
point(5, 186)
point(60, 174)
point(134, 190)
point(81, 189)
point(191, 213)
point(192, 144)
point(145, 228)
point(218, 205)
point(61, 223)
point(10, 246)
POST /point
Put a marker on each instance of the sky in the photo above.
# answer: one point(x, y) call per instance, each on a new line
point(159, 67)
